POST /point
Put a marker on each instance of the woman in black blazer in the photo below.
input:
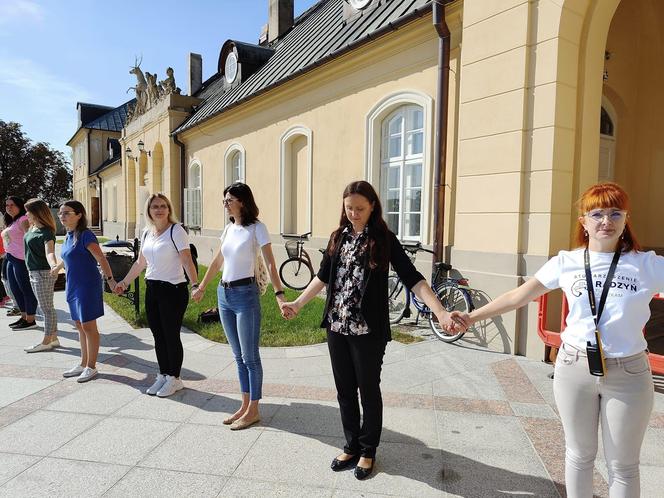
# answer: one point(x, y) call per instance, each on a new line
point(354, 271)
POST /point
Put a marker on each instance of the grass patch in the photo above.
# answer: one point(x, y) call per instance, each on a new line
point(275, 331)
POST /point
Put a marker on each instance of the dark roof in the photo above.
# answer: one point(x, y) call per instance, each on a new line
point(105, 164)
point(113, 120)
point(89, 112)
point(318, 35)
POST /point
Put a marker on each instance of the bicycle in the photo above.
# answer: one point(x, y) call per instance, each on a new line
point(297, 271)
point(452, 292)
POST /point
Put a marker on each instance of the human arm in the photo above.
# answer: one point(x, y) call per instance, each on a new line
point(268, 256)
point(95, 250)
point(215, 265)
point(188, 265)
point(49, 250)
point(290, 309)
point(135, 270)
point(509, 301)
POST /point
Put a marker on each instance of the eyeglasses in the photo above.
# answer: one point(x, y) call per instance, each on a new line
point(65, 213)
point(226, 202)
point(614, 215)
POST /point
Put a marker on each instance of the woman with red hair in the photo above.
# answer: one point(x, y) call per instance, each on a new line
point(602, 371)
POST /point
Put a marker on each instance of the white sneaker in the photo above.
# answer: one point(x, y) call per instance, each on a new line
point(43, 347)
point(171, 386)
point(73, 372)
point(158, 384)
point(87, 374)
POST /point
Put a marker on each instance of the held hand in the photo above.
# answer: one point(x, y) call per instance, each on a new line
point(120, 288)
point(289, 310)
point(112, 284)
point(54, 272)
point(197, 294)
point(461, 321)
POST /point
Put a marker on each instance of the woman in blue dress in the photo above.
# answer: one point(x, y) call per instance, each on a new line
point(80, 255)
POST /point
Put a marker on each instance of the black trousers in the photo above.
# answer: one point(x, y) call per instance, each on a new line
point(165, 305)
point(356, 365)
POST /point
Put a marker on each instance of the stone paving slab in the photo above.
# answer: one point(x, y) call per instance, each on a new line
point(52, 477)
point(156, 483)
point(459, 420)
point(15, 389)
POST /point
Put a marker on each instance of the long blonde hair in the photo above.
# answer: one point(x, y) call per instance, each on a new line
point(40, 210)
point(158, 195)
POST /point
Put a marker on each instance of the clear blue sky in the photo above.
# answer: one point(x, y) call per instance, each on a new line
point(54, 53)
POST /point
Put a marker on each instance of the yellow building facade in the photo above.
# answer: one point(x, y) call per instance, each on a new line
point(545, 98)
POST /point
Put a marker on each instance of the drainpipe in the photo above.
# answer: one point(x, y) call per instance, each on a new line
point(101, 205)
point(440, 147)
point(182, 175)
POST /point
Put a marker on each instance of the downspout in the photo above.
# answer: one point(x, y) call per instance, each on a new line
point(182, 174)
point(101, 205)
point(440, 146)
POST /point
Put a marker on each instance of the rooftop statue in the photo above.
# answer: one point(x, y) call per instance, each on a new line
point(168, 85)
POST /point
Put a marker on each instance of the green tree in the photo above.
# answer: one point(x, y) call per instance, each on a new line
point(30, 169)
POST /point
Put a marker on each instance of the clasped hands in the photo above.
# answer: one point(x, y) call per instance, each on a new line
point(455, 321)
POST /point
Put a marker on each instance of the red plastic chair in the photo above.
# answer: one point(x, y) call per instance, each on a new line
point(552, 338)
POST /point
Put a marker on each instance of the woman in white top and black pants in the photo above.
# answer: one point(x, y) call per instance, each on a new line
point(239, 300)
point(602, 371)
point(165, 251)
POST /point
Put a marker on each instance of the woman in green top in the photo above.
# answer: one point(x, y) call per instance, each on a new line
point(40, 258)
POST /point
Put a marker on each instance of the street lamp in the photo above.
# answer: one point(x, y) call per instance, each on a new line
point(141, 148)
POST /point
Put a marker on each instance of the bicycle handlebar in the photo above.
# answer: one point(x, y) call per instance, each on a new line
point(414, 247)
point(304, 236)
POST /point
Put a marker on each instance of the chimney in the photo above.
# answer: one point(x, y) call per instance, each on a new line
point(195, 72)
point(281, 15)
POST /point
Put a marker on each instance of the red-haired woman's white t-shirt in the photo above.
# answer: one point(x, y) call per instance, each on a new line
point(638, 277)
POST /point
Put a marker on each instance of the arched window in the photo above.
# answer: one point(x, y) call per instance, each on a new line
point(398, 151)
point(234, 164)
point(192, 196)
point(296, 180)
point(401, 172)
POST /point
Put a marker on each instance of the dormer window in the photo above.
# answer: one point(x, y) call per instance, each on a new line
point(238, 61)
point(230, 67)
point(359, 4)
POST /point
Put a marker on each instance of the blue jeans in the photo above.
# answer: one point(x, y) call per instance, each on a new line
point(19, 281)
point(240, 313)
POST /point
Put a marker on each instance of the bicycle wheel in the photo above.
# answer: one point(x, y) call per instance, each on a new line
point(453, 299)
point(296, 274)
point(397, 296)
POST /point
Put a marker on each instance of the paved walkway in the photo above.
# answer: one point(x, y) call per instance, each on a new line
point(459, 421)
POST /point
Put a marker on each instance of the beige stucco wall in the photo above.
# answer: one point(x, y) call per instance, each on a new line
point(114, 212)
point(634, 88)
point(162, 165)
point(331, 104)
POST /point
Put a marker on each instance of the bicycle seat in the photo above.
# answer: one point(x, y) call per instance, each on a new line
point(442, 266)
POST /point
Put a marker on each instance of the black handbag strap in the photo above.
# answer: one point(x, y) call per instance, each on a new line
point(597, 311)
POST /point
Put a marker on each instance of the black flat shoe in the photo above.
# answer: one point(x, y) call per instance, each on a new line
point(363, 472)
point(338, 465)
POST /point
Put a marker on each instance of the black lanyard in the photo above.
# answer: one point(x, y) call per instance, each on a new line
point(597, 312)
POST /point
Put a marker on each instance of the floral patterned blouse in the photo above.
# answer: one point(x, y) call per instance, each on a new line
point(344, 314)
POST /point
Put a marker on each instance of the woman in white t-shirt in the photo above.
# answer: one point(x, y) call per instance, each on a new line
point(166, 254)
point(622, 398)
point(238, 296)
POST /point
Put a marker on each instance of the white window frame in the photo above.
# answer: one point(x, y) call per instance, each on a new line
point(285, 161)
point(234, 150)
point(374, 129)
point(193, 213)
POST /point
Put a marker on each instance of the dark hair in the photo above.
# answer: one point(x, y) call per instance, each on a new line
point(378, 232)
point(78, 208)
point(249, 209)
point(20, 203)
